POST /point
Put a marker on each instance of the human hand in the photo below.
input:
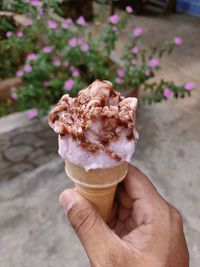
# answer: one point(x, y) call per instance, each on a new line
point(144, 231)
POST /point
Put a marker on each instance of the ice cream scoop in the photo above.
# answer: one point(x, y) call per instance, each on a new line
point(96, 136)
point(97, 128)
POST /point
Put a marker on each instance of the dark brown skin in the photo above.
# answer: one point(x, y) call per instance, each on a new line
point(145, 230)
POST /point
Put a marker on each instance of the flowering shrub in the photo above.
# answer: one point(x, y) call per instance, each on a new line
point(63, 56)
point(13, 51)
point(31, 6)
point(17, 42)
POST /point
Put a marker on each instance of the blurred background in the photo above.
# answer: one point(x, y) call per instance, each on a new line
point(148, 49)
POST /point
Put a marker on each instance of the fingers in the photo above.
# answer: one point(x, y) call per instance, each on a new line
point(130, 224)
point(125, 200)
point(113, 218)
point(94, 234)
point(141, 198)
point(123, 213)
point(138, 186)
point(122, 207)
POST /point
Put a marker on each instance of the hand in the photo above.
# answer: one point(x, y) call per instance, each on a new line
point(145, 230)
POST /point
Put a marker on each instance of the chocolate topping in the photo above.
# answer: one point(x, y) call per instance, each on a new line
point(99, 102)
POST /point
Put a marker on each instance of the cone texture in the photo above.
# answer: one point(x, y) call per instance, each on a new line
point(97, 185)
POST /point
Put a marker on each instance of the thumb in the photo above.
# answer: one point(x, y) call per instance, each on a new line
point(94, 234)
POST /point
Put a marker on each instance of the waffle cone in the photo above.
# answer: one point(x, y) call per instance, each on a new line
point(97, 185)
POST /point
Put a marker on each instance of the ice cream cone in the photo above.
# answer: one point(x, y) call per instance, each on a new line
point(97, 185)
point(97, 128)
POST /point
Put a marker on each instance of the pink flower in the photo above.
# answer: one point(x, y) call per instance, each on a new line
point(47, 49)
point(120, 73)
point(13, 96)
point(45, 83)
point(28, 22)
point(129, 9)
point(75, 73)
point(114, 19)
point(189, 86)
point(167, 93)
point(9, 34)
point(81, 21)
point(65, 25)
point(118, 81)
point(52, 24)
point(178, 40)
point(56, 62)
point(32, 113)
point(19, 73)
point(35, 2)
point(19, 34)
point(137, 32)
point(135, 50)
point(84, 47)
point(153, 63)
point(69, 21)
point(134, 61)
point(27, 68)
point(69, 85)
point(65, 63)
point(72, 42)
point(31, 57)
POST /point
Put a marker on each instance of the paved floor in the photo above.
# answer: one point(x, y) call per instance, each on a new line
point(20, 154)
point(33, 230)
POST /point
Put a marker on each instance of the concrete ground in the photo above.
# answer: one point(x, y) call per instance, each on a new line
point(33, 229)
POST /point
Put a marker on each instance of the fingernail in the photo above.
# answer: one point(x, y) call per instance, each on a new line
point(67, 200)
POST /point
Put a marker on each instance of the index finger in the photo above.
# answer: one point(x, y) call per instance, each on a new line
point(138, 186)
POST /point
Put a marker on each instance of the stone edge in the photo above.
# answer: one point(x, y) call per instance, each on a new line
point(16, 120)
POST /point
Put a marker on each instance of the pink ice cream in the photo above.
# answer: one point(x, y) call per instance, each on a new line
point(97, 128)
